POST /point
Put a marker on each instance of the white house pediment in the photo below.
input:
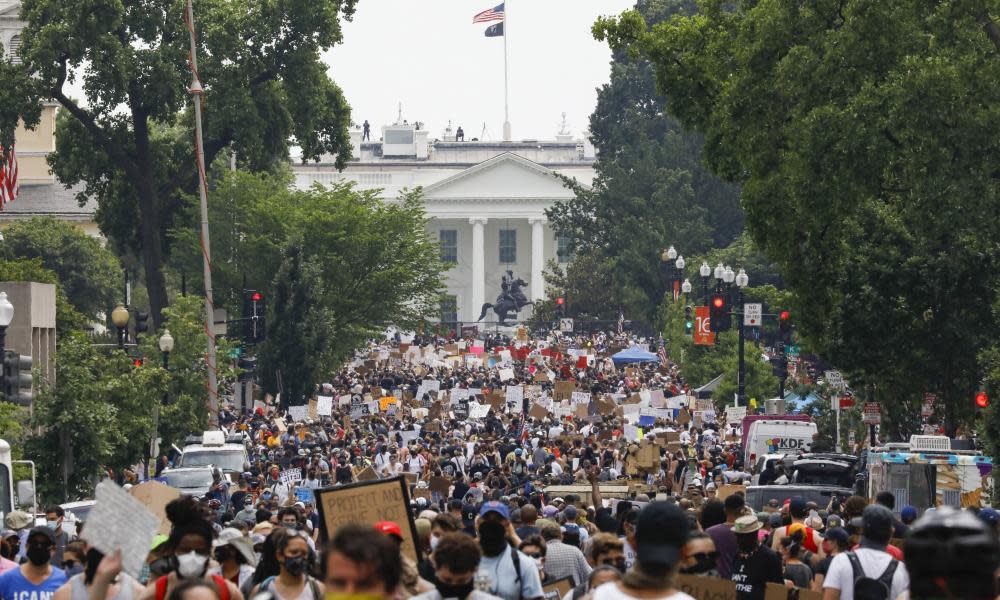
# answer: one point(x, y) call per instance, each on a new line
point(504, 177)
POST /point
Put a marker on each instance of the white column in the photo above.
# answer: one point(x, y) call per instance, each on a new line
point(478, 265)
point(537, 258)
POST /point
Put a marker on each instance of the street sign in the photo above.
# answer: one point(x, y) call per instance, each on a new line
point(565, 325)
point(834, 379)
point(846, 402)
point(792, 350)
point(703, 334)
point(752, 314)
point(873, 414)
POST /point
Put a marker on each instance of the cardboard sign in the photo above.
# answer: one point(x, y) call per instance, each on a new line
point(155, 496)
point(729, 489)
point(312, 409)
point(538, 412)
point(368, 474)
point(706, 587)
point(440, 484)
point(555, 590)
point(563, 390)
point(777, 591)
point(366, 504)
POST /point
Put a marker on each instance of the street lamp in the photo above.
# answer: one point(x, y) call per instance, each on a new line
point(742, 280)
point(686, 287)
point(671, 253)
point(166, 344)
point(120, 316)
point(6, 316)
point(705, 271)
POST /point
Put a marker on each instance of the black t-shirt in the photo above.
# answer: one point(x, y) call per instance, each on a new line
point(824, 565)
point(344, 474)
point(751, 574)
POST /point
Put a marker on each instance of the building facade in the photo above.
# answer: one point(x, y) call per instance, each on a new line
point(486, 202)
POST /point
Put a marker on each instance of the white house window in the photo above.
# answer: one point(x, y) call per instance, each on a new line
point(449, 245)
point(14, 51)
point(508, 246)
point(449, 310)
point(564, 248)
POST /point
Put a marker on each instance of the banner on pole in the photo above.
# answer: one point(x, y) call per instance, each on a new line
point(703, 334)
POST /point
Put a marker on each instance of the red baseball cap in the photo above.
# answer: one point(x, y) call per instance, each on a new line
point(389, 528)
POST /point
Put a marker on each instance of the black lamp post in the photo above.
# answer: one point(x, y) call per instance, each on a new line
point(742, 280)
point(120, 316)
point(706, 273)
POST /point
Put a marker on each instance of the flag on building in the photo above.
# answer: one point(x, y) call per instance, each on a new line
point(12, 187)
point(495, 30)
point(494, 14)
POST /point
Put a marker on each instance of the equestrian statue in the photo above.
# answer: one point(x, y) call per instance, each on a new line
point(511, 298)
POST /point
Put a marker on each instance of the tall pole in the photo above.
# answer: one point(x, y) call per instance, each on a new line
point(741, 373)
point(206, 252)
point(506, 94)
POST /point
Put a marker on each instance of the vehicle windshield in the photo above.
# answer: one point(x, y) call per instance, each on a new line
point(188, 479)
point(827, 475)
point(229, 460)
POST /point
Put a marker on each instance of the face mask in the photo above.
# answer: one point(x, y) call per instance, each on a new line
point(38, 555)
point(703, 564)
point(191, 565)
point(52, 525)
point(434, 542)
point(295, 565)
point(455, 591)
point(492, 538)
point(747, 543)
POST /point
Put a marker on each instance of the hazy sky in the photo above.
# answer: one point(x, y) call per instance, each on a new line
point(432, 58)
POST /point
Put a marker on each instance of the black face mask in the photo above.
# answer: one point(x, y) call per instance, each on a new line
point(703, 564)
point(39, 555)
point(747, 542)
point(295, 565)
point(492, 538)
point(222, 554)
point(455, 591)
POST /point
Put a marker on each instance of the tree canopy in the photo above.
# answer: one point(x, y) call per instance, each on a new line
point(130, 139)
point(861, 134)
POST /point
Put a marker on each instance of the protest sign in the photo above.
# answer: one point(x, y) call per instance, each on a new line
point(304, 495)
point(580, 397)
point(155, 496)
point(365, 504)
point(735, 414)
point(367, 474)
point(478, 411)
point(706, 587)
point(538, 412)
point(290, 476)
point(729, 489)
point(506, 374)
point(515, 394)
point(440, 485)
point(298, 413)
point(119, 521)
point(311, 409)
point(564, 390)
point(324, 405)
point(555, 590)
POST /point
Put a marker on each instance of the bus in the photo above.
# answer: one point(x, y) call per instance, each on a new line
point(928, 472)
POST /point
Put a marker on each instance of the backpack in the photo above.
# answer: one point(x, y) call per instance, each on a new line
point(866, 588)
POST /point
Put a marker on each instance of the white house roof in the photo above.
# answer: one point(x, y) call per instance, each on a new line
point(504, 177)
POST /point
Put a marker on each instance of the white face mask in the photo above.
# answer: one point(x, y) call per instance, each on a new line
point(191, 565)
point(434, 542)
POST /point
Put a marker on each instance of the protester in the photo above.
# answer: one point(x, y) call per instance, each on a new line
point(870, 565)
point(563, 560)
point(54, 516)
point(506, 570)
point(37, 578)
point(293, 558)
point(456, 562)
point(755, 565)
point(360, 561)
point(80, 585)
point(723, 537)
point(700, 556)
point(234, 553)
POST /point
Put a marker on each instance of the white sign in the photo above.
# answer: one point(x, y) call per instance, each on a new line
point(872, 414)
point(834, 379)
point(581, 397)
point(735, 414)
point(324, 405)
point(290, 476)
point(478, 411)
point(298, 413)
point(119, 521)
point(514, 395)
point(752, 314)
point(565, 325)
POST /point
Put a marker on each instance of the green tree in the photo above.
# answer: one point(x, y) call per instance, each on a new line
point(88, 273)
point(369, 263)
point(130, 141)
point(865, 184)
point(651, 190)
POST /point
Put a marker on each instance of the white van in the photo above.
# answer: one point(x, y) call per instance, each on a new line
point(777, 436)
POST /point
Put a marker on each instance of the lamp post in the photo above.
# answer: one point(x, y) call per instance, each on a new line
point(706, 272)
point(6, 316)
point(120, 316)
point(668, 259)
point(686, 289)
point(678, 276)
point(166, 344)
point(742, 280)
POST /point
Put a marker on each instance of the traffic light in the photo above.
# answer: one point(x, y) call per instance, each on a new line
point(561, 304)
point(255, 316)
point(982, 401)
point(137, 362)
point(718, 313)
point(688, 321)
point(785, 325)
point(248, 367)
point(17, 379)
point(779, 363)
point(141, 323)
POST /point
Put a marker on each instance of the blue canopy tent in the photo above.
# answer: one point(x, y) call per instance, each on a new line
point(635, 354)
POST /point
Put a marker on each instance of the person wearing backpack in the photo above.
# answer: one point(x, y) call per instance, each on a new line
point(868, 573)
point(504, 571)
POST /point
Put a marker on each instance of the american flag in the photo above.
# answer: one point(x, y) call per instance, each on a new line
point(494, 14)
point(662, 352)
point(10, 188)
point(621, 322)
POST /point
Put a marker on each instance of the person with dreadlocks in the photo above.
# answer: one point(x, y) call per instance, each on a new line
point(186, 555)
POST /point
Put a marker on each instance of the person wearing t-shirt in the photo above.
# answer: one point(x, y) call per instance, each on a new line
point(661, 532)
point(755, 565)
point(877, 527)
point(835, 542)
point(36, 579)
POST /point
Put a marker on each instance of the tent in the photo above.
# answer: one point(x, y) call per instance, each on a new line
point(635, 354)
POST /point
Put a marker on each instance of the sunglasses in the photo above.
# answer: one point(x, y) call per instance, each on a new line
point(705, 556)
point(69, 564)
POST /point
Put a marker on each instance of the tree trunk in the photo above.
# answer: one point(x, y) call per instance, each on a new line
point(149, 212)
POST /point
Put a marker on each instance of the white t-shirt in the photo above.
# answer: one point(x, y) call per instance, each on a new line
point(611, 591)
point(629, 553)
point(873, 563)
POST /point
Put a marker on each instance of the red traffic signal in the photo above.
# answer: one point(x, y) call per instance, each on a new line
point(718, 302)
point(560, 301)
point(784, 315)
point(257, 297)
point(982, 400)
point(137, 362)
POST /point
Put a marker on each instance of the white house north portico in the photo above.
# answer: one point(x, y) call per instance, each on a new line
point(486, 202)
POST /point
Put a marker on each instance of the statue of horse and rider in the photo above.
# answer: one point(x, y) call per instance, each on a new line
point(510, 300)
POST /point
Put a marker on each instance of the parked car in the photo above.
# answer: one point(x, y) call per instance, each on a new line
point(191, 481)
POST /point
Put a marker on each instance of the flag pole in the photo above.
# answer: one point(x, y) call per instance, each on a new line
point(506, 94)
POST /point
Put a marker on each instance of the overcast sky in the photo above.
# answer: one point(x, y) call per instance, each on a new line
point(432, 58)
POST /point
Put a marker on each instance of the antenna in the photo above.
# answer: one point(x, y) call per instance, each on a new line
point(399, 118)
